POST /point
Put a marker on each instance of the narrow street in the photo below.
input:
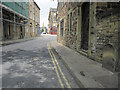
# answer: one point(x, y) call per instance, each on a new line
point(59, 44)
point(32, 64)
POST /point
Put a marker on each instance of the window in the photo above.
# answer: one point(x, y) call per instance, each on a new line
point(70, 22)
point(27, 26)
point(33, 17)
point(31, 14)
point(54, 24)
point(33, 28)
point(58, 27)
point(0, 12)
point(54, 14)
point(30, 1)
point(54, 18)
point(61, 27)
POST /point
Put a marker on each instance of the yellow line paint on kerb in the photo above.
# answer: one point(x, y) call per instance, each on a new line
point(60, 70)
point(60, 81)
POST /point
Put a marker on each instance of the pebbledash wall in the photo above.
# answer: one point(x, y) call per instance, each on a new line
point(93, 29)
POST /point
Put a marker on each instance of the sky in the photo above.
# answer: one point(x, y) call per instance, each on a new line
point(45, 6)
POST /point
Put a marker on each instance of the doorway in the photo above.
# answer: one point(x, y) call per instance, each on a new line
point(85, 26)
point(21, 32)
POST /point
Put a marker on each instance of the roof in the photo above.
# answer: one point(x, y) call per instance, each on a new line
point(37, 5)
point(53, 9)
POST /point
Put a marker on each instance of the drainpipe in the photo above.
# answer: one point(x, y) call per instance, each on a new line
point(14, 24)
point(1, 20)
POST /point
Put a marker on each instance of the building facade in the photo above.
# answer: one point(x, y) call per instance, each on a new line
point(92, 29)
point(34, 19)
point(19, 20)
point(13, 16)
point(52, 21)
point(44, 29)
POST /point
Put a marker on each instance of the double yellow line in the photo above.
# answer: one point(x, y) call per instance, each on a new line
point(58, 68)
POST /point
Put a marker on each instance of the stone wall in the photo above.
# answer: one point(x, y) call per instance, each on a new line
point(104, 31)
point(70, 15)
point(106, 34)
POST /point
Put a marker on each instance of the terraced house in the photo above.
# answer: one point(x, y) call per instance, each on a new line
point(92, 29)
point(34, 18)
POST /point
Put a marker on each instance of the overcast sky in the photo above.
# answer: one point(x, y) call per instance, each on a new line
point(45, 6)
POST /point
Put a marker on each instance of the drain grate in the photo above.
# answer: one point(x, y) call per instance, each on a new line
point(82, 73)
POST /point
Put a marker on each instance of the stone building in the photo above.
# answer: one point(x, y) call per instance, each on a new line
point(13, 16)
point(92, 29)
point(37, 19)
point(19, 20)
point(34, 18)
point(52, 19)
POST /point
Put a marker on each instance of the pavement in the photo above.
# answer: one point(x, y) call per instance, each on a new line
point(7, 42)
point(87, 73)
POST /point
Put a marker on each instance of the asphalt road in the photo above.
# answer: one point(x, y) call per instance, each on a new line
point(32, 64)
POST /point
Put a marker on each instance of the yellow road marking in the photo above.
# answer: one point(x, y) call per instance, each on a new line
point(60, 70)
point(60, 81)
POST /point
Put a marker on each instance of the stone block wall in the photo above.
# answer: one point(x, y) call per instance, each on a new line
point(104, 31)
point(107, 29)
point(73, 29)
point(92, 30)
point(70, 15)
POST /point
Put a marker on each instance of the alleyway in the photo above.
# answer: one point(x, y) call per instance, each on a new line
point(32, 64)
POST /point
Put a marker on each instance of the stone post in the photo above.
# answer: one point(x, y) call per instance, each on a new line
point(92, 29)
point(79, 25)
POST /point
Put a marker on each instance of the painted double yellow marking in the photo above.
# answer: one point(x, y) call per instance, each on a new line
point(60, 81)
point(56, 64)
